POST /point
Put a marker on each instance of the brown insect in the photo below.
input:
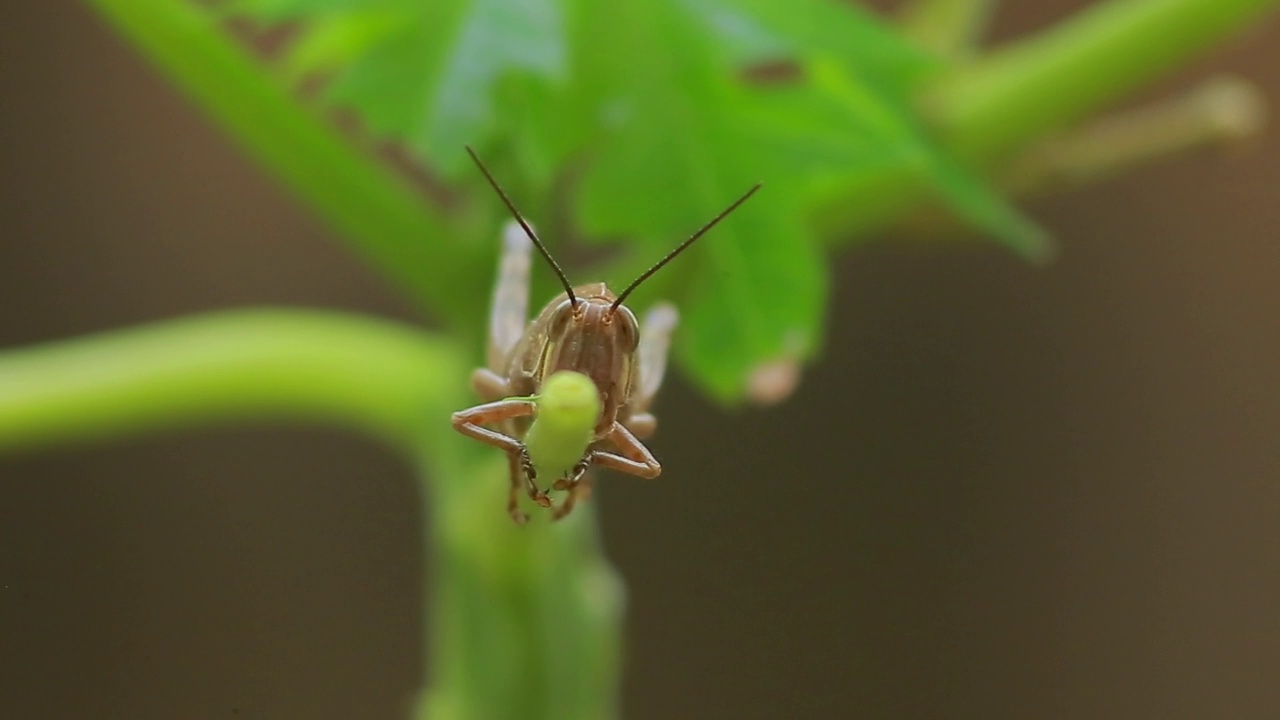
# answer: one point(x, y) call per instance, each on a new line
point(586, 329)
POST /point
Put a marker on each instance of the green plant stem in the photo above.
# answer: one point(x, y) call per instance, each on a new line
point(525, 622)
point(389, 380)
point(1016, 96)
point(1218, 111)
point(380, 215)
point(1018, 93)
point(950, 28)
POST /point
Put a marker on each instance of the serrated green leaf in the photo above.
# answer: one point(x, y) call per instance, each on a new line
point(682, 152)
point(769, 31)
point(422, 73)
point(966, 193)
point(652, 89)
point(330, 44)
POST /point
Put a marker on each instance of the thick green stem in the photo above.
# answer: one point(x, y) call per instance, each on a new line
point(1016, 96)
point(1218, 111)
point(950, 28)
point(1019, 93)
point(376, 376)
point(525, 622)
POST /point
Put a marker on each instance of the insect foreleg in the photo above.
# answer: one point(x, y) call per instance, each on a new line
point(635, 459)
point(509, 312)
point(579, 489)
point(632, 457)
point(470, 422)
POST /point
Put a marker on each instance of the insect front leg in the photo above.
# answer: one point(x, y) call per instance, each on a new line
point(655, 346)
point(508, 314)
point(471, 423)
point(578, 486)
point(632, 457)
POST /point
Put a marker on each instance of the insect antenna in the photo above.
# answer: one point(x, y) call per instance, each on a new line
point(533, 237)
point(682, 246)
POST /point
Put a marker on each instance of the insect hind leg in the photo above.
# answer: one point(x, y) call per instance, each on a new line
point(509, 312)
point(655, 345)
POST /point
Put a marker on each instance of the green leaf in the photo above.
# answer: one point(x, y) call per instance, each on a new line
point(422, 73)
point(652, 90)
point(967, 194)
point(859, 68)
point(758, 31)
point(681, 151)
point(332, 43)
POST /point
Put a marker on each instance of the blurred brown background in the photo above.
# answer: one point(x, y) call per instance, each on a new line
point(1004, 493)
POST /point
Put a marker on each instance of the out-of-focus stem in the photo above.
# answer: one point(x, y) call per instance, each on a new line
point(1015, 96)
point(1221, 110)
point(524, 622)
point(372, 375)
point(1019, 93)
point(950, 28)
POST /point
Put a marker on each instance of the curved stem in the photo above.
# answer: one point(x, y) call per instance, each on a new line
point(1018, 93)
point(376, 376)
point(525, 622)
point(950, 28)
point(1015, 96)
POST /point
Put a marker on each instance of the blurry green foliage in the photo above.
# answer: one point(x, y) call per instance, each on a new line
point(606, 119)
point(646, 111)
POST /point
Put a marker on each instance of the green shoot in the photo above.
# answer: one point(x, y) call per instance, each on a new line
point(568, 408)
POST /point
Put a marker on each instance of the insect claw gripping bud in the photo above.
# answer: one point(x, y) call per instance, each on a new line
point(563, 427)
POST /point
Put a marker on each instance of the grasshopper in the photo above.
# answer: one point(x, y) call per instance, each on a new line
point(588, 330)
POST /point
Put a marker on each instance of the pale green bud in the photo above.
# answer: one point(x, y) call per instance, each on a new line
point(568, 408)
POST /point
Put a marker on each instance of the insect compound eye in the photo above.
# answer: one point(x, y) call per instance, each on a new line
point(560, 319)
point(628, 328)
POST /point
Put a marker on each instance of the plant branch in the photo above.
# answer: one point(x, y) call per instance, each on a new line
point(389, 380)
point(1018, 93)
point(1015, 97)
point(525, 621)
point(951, 28)
point(1219, 111)
point(376, 212)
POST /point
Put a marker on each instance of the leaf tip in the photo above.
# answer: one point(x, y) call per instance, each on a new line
point(771, 382)
point(1038, 248)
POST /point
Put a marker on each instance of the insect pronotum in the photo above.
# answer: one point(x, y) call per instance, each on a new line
point(584, 330)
